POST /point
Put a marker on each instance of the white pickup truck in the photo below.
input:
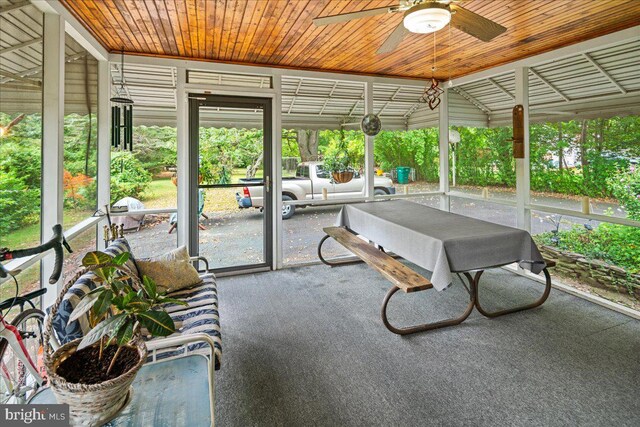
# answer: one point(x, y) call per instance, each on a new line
point(311, 178)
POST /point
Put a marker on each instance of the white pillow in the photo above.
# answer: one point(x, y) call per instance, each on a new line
point(171, 271)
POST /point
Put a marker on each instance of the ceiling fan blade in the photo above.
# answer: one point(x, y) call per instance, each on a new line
point(334, 19)
point(393, 40)
point(474, 24)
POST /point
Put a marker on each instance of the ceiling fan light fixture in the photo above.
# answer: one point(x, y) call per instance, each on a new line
point(426, 18)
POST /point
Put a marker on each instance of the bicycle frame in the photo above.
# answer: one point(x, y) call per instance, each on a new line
point(12, 335)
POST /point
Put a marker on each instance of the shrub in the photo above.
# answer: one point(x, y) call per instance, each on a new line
point(74, 185)
point(615, 244)
point(626, 188)
point(128, 177)
point(19, 204)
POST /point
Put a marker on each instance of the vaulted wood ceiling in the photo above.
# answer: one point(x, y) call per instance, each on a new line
point(281, 33)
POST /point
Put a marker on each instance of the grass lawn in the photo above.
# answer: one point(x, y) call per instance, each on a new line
point(161, 194)
point(30, 235)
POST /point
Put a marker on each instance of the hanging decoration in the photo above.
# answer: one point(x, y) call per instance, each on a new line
point(431, 95)
point(371, 125)
point(122, 115)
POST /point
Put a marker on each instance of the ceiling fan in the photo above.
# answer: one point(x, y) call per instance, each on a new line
point(423, 17)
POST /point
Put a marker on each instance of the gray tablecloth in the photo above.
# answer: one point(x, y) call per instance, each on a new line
point(439, 241)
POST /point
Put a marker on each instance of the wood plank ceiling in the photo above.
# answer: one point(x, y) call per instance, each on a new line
point(281, 33)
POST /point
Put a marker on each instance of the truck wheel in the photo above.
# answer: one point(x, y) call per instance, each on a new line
point(379, 192)
point(287, 210)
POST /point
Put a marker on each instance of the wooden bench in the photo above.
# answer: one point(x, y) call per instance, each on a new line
point(393, 270)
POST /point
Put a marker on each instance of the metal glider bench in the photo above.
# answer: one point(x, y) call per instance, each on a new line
point(405, 279)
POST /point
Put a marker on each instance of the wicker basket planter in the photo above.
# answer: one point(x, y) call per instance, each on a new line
point(89, 404)
point(92, 404)
point(342, 176)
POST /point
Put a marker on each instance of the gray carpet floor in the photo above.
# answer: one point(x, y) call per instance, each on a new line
point(306, 346)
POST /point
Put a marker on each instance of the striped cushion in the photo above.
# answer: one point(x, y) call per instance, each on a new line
point(66, 331)
point(201, 315)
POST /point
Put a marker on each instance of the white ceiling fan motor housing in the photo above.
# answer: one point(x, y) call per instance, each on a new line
point(426, 18)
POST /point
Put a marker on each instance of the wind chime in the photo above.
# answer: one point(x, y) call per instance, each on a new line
point(431, 95)
point(122, 115)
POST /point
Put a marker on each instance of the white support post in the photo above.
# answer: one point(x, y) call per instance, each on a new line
point(184, 152)
point(276, 174)
point(443, 125)
point(104, 144)
point(369, 173)
point(523, 184)
point(52, 199)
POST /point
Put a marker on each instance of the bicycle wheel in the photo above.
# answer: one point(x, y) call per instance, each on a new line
point(17, 385)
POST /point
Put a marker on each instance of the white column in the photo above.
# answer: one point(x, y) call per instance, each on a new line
point(369, 173)
point(52, 199)
point(276, 174)
point(104, 144)
point(184, 151)
point(523, 184)
point(443, 137)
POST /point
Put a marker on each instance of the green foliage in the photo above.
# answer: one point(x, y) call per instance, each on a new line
point(76, 131)
point(155, 147)
point(19, 204)
point(223, 150)
point(20, 173)
point(129, 178)
point(615, 244)
point(625, 186)
point(417, 149)
point(117, 310)
point(337, 156)
point(341, 150)
point(484, 157)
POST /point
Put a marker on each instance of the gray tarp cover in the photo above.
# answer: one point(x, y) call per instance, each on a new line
point(439, 241)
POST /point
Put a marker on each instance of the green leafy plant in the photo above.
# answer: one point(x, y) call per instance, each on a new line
point(117, 310)
point(129, 178)
point(626, 188)
point(338, 159)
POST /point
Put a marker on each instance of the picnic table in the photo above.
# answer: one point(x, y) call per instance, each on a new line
point(441, 242)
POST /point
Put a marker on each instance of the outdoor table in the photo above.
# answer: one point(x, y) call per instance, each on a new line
point(171, 393)
point(443, 243)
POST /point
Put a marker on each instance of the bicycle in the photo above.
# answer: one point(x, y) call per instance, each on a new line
point(21, 341)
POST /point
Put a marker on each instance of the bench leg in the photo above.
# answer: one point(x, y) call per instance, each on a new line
point(537, 303)
point(434, 325)
point(333, 264)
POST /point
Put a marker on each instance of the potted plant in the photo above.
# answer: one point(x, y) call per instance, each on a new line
point(93, 374)
point(339, 164)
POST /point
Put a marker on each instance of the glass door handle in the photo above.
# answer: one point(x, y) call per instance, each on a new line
point(267, 184)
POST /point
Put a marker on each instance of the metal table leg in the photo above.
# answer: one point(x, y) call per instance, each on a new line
point(537, 303)
point(434, 325)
